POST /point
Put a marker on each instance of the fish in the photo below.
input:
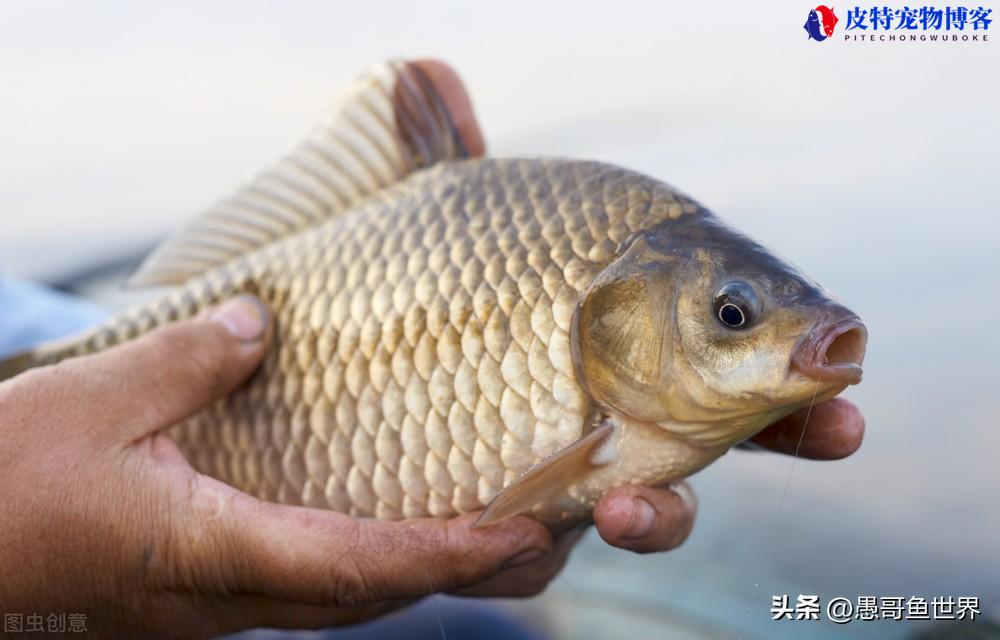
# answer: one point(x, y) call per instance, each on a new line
point(813, 26)
point(455, 332)
point(828, 19)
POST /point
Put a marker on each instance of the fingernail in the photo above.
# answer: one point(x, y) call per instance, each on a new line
point(244, 317)
point(641, 522)
point(526, 556)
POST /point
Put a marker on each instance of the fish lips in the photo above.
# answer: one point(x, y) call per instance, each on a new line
point(833, 352)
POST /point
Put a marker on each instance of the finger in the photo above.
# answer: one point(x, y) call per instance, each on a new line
point(646, 519)
point(324, 558)
point(529, 579)
point(171, 373)
point(835, 430)
point(460, 113)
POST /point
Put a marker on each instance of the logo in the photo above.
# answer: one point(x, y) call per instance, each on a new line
point(906, 24)
point(918, 24)
point(820, 23)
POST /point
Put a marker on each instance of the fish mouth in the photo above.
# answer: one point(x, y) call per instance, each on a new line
point(836, 354)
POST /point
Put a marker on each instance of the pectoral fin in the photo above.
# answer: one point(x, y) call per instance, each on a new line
point(547, 477)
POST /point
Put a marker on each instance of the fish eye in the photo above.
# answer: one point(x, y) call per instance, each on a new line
point(736, 305)
point(732, 316)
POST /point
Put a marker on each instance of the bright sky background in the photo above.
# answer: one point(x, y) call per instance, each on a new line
point(873, 166)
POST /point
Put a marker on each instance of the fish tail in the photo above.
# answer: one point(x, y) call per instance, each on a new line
point(10, 367)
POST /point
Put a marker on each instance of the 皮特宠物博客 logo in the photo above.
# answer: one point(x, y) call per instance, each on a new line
point(820, 23)
point(882, 23)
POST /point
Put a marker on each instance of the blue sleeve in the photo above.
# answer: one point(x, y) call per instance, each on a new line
point(31, 314)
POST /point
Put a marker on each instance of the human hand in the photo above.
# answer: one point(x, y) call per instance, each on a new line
point(646, 519)
point(102, 515)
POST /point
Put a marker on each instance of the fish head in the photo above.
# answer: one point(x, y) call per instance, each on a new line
point(696, 324)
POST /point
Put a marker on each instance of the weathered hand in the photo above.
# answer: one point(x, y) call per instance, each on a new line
point(103, 516)
point(648, 519)
point(835, 430)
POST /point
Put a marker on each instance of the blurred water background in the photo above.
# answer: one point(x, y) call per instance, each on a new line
point(870, 165)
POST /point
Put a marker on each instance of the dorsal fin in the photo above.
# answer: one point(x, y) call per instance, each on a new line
point(397, 118)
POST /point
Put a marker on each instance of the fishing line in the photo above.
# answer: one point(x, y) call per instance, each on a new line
point(435, 604)
point(795, 458)
point(784, 493)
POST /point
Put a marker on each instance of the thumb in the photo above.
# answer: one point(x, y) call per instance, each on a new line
point(169, 374)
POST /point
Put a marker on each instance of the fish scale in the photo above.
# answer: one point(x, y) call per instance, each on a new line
point(449, 334)
point(421, 358)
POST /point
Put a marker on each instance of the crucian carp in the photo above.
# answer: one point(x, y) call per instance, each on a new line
point(455, 332)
